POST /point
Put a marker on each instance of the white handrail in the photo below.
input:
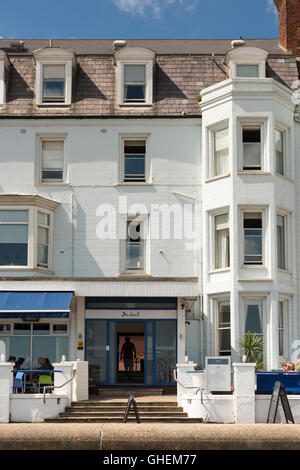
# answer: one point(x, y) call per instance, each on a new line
point(52, 387)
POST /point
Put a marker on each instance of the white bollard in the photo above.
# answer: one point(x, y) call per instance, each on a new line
point(244, 393)
point(6, 383)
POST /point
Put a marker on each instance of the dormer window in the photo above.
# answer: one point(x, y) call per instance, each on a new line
point(134, 67)
point(54, 71)
point(4, 64)
point(54, 83)
point(246, 62)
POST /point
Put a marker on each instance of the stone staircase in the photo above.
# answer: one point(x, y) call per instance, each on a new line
point(112, 411)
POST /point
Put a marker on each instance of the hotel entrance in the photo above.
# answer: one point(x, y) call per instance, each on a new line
point(131, 352)
point(129, 347)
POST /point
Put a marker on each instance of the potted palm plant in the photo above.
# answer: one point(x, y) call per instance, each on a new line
point(251, 346)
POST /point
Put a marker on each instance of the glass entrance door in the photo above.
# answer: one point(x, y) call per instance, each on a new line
point(150, 361)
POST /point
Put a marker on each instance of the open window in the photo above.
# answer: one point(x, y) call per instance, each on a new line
point(134, 67)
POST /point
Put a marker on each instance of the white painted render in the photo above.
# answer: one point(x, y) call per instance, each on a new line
point(178, 165)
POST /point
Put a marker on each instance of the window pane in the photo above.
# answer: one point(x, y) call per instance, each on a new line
point(254, 317)
point(60, 329)
point(247, 70)
point(221, 152)
point(54, 71)
point(251, 148)
point(41, 329)
point(165, 350)
point(280, 242)
point(53, 155)
point(134, 93)
point(279, 152)
point(51, 347)
point(135, 73)
point(43, 219)
point(222, 248)
point(54, 88)
point(13, 216)
point(5, 328)
point(13, 245)
point(96, 341)
point(18, 346)
point(134, 255)
point(22, 329)
point(42, 255)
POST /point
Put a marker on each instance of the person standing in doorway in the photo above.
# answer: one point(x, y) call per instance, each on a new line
point(128, 353)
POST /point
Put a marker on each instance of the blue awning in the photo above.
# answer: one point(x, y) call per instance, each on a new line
point(35, 304)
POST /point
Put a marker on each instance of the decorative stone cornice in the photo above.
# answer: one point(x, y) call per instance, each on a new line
point(28, 200)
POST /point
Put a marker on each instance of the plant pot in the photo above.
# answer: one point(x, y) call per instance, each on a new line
point(198, 378)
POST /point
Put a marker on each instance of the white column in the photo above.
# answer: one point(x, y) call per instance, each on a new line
point(180, 331)
point(80, 326)
point(6, 382)
point(60, 378)
point(244, 392)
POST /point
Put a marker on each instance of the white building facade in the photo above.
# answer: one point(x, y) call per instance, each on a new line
point(147, 189)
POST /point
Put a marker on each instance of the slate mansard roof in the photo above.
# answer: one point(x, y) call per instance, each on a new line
point(182, 69)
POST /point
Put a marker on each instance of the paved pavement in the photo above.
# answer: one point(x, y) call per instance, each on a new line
point(41, 436)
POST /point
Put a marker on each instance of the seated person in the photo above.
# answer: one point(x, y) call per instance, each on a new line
point(290, 366)
point(297, 365)
point(284, 366)
point(44, 364)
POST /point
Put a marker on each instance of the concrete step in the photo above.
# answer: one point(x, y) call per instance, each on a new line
point(118, 414)
point(116, 392)
point(73, 419)
point(121, 409)
point(113, 404)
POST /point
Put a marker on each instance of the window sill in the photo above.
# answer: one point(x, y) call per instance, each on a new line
point(217, 271)
point(284, 271)
point(26, 268)
point(254, 172)
point(215, 178)
point(134, 183)
point(53, 105)
point(255, 266)
point(135, 274)
point(57, 183)
point(135, 105)
point(284, 177)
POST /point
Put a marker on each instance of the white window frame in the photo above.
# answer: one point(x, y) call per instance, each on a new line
point(286, 150)
point(285, 218)
point(32, 238)
point(242, 242)
point(217, 301)
point(253, 299)
point(50, 321)
point(246, 55)
point(211, 149)
point(148, 85)
point(144, 220)
point(285, 309)
point(51, 137)
point(214, 240)
point(252, 125)
point(123, 138)
point(54, 56)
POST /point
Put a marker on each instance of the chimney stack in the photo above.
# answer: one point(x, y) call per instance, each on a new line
point(289, 25)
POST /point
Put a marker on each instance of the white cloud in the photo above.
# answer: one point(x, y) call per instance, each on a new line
point(154, 7)
point(271, 8)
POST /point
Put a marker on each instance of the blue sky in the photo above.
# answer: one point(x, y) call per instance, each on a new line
point(138, 19)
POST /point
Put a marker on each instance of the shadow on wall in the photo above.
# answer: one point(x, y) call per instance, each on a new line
point(85, 88)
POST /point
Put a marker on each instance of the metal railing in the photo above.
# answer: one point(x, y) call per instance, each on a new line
point(44, 387)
